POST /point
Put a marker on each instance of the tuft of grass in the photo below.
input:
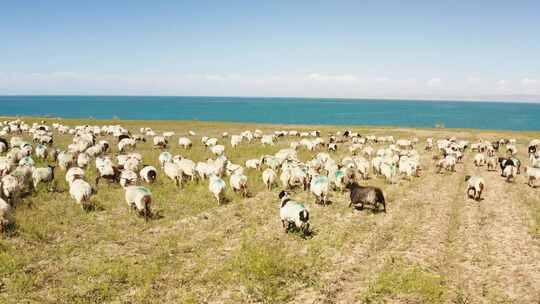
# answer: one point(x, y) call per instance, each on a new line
point(411, 283)
point(535, 226)
point(269, 273)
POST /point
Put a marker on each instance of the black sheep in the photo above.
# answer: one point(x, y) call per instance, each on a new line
point(361, 195)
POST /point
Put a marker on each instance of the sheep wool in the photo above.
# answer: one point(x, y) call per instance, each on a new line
point(6, 217)
point(139, 198)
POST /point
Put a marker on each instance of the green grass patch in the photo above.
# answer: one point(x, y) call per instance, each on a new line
point(410, 283)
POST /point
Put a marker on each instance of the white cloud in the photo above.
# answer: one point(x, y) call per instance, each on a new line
point(528, 81)
point(234, 84)
point(434, 82)
point(344, 78)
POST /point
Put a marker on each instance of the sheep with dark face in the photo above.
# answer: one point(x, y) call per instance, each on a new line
point(361, 195)
point(293, 214)
point(475, 186)
point(148, 174)
point(510, 161)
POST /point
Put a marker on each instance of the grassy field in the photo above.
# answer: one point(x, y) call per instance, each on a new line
point(432, 246)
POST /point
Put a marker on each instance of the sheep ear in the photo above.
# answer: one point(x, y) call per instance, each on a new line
point(282, 194)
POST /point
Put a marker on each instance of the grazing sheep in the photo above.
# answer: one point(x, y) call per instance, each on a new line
point(268, 140)
point(479, 159)
point(511, 161)
point(533, 176)
point(293, 214)
point(83, 160)
point(65, 160)
point(127, 177)
point(491, 163)
point(238, 183)
point(510, 172)
point(6, 217)
point(269, 178)
point(165, 157)
point(319, 187)
point(125, 143)
point(361, 195)
point(11, 188)
point(45, 175)
point(148, 174)
point(292, 177)
point(188, 168)
point(41, 151)
point(389, 171)
point(80, 191)
point(172, 171)
point(107, 170)
point(185, 142)
point(218, 149)
point(160, 142)
point(74, 173)
point(448, 163)
point(236, 140)
point(253, 164)
point(217, 187)
point(140, 199)
point(475, 186)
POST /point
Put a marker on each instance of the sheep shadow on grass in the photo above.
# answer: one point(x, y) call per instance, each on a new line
point(306, 235)
point(373, 209)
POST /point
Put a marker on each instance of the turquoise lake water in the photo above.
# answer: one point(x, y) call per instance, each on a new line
point(404, 113)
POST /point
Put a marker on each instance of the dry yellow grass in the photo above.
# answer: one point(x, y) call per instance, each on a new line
point(431, 247)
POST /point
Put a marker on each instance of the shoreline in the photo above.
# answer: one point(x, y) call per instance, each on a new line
point(207, 123)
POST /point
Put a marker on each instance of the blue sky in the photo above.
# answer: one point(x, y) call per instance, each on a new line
point(271, 48)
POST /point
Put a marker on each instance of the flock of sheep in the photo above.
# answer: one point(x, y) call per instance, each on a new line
point(392, 160)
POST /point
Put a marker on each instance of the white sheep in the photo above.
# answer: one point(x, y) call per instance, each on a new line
point(127, 177)
point(389, 171)
point(475, 186)
point(6, 217)
point(172, 171)
point(125, 143)
point(83, 160)
point(185, 142)
point(65, 160)
point(217, 187)
point(533, 176)
point(267, 140)
point(236, 140)
point(510, 172)
point(253, 164)
point(448, 163)
point(11, 188)
point(479, 159)
point(160, 142)
point(238, 183)
point(80, 191)
point(218, 149)
point(188, 168)
point(41, 151)
point(319, 187)
point(269, 178)
point(45, 175)
point(139, 198)
point(293, 214)
point(74, 173)
point(165, 157)
point(203, 169)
